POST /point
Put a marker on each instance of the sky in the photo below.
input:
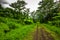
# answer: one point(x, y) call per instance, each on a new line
point(32, 4)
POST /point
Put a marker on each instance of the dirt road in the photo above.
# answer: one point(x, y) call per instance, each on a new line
point(42, 34)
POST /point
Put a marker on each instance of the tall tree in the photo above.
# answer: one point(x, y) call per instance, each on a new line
point(46, 9)
point(19, 6)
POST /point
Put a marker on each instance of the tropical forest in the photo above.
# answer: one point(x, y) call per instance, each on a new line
point(18, 23)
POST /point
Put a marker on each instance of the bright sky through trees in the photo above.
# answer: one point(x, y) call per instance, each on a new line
point(32, 4)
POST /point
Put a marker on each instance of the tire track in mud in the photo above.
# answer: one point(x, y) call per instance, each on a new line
point(42, 34)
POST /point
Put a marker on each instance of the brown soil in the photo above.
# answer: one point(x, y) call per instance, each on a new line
point(42, 34)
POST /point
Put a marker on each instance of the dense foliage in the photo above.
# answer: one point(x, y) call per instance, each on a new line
point(47, 10)
point(19, 12)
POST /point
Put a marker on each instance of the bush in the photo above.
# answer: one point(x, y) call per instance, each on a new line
point(27, 22)
point(12, 26)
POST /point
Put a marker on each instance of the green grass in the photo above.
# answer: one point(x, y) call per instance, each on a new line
point(15, 30)
point(12, 29)
point(54, 30)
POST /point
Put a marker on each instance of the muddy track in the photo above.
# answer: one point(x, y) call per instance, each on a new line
point(42, 34)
